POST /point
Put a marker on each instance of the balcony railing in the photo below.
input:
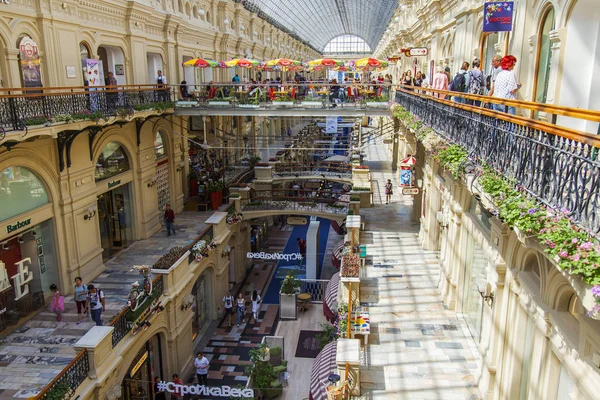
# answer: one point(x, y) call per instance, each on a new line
point(206, 235)
point(284, 95)
point(316, 287)
point(63, 386)
point(24, 107)
point(297, 200)
point(556, 165)
point(324, 169)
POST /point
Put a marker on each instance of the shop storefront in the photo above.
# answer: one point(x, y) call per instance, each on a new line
point(259, 235)
point(138, 383)
point(28, 259)
point(115, 198)
point(202, 292)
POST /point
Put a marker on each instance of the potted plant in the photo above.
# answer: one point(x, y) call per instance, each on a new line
point(288, 294)
point(193, 182)
point(262, 373)
point(283, 101)
point(213, 191)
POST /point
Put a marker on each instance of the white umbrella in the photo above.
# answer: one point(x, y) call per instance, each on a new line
point(337, 158)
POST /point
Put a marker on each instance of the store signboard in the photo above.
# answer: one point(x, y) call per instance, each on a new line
point(331, 125)
point(138, 364)
point(418, 51)
point(274, 256)
point(498, 16)
point(201, 390)
point(17, 225)
point(410, 191)
point(296, 220)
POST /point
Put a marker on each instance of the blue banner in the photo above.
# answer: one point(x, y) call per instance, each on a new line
point(331, 125)
point(498, 16)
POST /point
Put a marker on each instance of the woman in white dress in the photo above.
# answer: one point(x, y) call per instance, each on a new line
point(255, 304)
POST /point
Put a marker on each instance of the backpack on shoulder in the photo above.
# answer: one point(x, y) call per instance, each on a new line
point(458, 84)
point(476, 84)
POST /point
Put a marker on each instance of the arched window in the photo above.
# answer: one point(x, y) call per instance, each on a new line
point(208, 17)
point(180, 6)
point(84, 51)
point(20, 191)
point(488, 51)
point(347, 44)
point(112, 161)
point(195, 12)
point(159, 145)
point(188, 9)
point(544, 57)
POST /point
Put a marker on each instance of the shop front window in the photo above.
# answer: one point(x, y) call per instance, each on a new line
point(544, 57)
point(475, 273)
point(112, 161)
point(20, 191)
point(159, 145)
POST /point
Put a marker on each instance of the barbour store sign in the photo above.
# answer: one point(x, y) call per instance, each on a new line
point(17, 225)
point(112, 184)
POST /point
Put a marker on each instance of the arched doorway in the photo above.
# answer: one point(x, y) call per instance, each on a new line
point(202, 305)
point(113, 60)
point(232, 267)
point(115, 199)
point(543, 58)
point(84, 54)
point(162, 172)
point(488, 51)
point(27, 243)
point(579, 82)
point(155, 64)
point(146, 365)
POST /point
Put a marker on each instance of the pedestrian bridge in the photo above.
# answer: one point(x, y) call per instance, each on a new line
point(331, 171)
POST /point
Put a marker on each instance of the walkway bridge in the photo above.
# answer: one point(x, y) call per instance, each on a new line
point(331, 171)
point(262, 203)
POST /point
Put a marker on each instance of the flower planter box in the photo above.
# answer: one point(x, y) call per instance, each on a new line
point(312, 104)
point(219, 104)
point(377, 104)
point(287, 306)
point(528, 240)
point(174, 275)
point(283, 104)
point(249, 106)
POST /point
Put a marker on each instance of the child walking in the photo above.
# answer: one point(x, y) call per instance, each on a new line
point(57, 305)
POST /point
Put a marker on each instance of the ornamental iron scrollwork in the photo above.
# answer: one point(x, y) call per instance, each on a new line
point(560, 172)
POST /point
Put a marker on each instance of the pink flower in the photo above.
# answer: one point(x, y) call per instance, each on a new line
point(587, 246)
point(576, 257)
point(563, 254)
point(574, 240)
point(552, 245)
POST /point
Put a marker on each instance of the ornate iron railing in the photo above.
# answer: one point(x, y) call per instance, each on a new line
point(300, 204)
point(64, 385)
point(557, 166)
point(316, 287)
point(122, 322)
point(20, 108)
point(324, 169)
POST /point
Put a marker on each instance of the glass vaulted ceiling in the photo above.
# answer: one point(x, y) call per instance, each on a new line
point(316, 22)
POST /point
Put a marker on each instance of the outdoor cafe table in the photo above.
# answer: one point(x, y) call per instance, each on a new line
point(360, 324)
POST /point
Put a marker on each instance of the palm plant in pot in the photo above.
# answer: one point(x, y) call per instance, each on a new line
point(264, 378)
point(288, 294)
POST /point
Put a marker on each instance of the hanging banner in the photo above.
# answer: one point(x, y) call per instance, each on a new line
point(92, 70)
point(30, 63)
point(331, 125)
point(498, 16)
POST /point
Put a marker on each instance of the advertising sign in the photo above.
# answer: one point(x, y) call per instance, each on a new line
point(410, 191)
point(498, 16)
point(274, 256)
point(296, 220)
point(30, 63)
point(93, 72)
point(223, 391)
point(331, 125)
point(417, 51)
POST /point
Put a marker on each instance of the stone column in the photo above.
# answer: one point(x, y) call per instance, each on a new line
point(312, 249)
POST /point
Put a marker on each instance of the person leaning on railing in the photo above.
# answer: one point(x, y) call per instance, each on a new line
point(506, 85)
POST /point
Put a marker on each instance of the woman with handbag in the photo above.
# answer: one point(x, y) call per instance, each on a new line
point(388, 191)
point(241, 309)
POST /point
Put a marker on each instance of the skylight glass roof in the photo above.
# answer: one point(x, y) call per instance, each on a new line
point(317, 22)
point(347, 44)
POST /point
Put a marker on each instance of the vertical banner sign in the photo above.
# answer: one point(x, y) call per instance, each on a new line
point(93, 72)
point(30, 63)
point(498, 16)
point(331, 125)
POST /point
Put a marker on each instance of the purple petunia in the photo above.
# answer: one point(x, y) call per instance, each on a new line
point(532, 211)
point(596, 291)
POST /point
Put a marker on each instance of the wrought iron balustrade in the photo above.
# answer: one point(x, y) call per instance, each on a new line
point(316, 287)
point(319, 169)
point(22, 107)
point(122, 322)
point(65, 384)
point(279, 200)
point(557, 166)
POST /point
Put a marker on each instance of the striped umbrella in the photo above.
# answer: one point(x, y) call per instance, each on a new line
point(325, 62)
point(337, 251)
point(201, 63)
point(323, 366)
point(283, 62)
point(242, 63)
point(370, 63)
point(331, 292)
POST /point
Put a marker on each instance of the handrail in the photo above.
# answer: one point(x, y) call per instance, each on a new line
point(567, 133)
point(581, 113)
point(88, 90)
point(78, 358)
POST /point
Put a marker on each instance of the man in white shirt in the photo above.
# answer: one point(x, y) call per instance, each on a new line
point(228, 304)
point(201, 363)
point(161, 80)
